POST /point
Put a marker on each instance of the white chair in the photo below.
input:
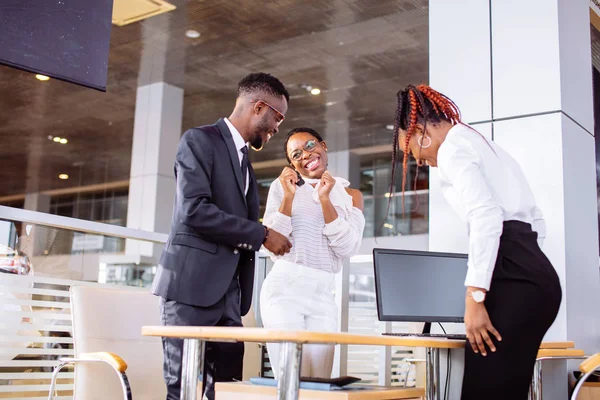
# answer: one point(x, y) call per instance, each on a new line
point(107, 326)
point(587, 368)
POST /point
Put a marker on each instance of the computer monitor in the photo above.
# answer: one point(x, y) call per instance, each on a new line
point(419, 286)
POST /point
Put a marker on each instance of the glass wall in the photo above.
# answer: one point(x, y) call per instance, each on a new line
point(68, 150)
point(109, 207)
point(383, 213)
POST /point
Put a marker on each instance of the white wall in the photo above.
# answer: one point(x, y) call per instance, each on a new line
point(523, 69)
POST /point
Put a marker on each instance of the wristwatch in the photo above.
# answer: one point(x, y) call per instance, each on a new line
point(478, 296)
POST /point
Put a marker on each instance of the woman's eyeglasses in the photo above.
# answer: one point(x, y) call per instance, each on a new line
point(309, 147)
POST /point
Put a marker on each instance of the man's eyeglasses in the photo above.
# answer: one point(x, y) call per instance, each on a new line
point(280, 117)
point(309, 147)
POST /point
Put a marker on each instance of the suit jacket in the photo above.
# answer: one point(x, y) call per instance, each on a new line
point(214, 232)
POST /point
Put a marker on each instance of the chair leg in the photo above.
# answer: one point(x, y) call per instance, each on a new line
point(55, 376)
point(125, 385)
point(63, 362)
point(407, 373)
point(580, 383)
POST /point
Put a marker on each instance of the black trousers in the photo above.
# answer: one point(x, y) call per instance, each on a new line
point(223, 361)
point(522, 303)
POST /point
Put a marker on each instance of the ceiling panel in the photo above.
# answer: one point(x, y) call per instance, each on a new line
point(358, 52)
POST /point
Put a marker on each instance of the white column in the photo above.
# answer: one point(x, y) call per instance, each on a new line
point(549, 129)
point(6, 228)
point(345, 165)
point(35, 241)
point(156, 134)
point(526, 77)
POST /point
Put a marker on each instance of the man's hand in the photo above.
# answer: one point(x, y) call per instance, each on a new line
point(277, 244)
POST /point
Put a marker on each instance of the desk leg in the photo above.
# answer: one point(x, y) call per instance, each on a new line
point(535, 390)
point(192, 368)
point(432, 374)
point(290, 360)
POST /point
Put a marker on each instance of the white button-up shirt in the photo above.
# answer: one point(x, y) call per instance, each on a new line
point(486, 187)
point(239, 142)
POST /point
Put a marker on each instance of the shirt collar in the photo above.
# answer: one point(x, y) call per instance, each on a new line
point(237, 136)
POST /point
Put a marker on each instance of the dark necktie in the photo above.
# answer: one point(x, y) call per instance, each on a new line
point(244, 151)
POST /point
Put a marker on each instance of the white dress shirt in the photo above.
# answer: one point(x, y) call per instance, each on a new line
point(239, 144)
point(486, 187)
point(315, 244)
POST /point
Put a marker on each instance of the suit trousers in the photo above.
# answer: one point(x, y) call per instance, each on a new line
point(522, 303)
point(222, 361)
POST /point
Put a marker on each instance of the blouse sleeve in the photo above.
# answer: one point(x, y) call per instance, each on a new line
point(273, 219)
point(345, 235)
point(539, 225)
point(459, 164)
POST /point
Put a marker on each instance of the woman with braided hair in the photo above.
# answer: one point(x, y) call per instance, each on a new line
point(512, 290)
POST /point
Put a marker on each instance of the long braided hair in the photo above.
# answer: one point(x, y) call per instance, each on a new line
point(417, 105)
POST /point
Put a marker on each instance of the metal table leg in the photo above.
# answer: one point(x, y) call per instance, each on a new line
point(192, 368)
point(535, 390)
point(290, 360)
point(432, 377)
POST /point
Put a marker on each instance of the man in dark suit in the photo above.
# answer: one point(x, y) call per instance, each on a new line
point(206, 273)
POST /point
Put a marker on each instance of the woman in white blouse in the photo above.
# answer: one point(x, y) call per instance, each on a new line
point(323, 219)
point(512, 290)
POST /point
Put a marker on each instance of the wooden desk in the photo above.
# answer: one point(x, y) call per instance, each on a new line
point(292, 341)
point(548, 353)
point(291, 351)
point(557, 345)
point(248, 391)
point(589, 391)
point(544, 354)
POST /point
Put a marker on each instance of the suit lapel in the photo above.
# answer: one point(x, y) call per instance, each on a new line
point(233, 154)
point(252, 198)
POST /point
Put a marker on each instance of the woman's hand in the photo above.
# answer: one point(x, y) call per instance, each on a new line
point(288, 179)
point(326, 185)
point(479, 327)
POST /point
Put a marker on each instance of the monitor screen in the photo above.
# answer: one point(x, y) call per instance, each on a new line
point(419, 286)
point(63, 39)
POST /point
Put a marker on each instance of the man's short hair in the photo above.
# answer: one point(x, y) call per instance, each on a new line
point(262, 82)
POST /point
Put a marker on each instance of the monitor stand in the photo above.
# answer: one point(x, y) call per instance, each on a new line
point(427, 328)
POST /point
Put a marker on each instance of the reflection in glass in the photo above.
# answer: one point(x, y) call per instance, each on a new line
point(375, 177)
point(364, 361)
point(38, 265)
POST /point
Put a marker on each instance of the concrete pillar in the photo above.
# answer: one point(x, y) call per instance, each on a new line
point(156, 133)
point(524, 79)
point(37, 202)
point(35, 241)
point(346, 165)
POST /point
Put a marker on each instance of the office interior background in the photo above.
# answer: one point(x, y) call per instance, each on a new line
point(68, 151)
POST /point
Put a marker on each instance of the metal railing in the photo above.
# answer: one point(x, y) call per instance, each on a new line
point(78, 225)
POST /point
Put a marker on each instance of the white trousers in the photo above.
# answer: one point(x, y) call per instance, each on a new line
point(296, 297)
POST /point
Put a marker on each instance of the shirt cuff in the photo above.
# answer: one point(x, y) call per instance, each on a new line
point(479, 278)
point(281, 223)
point(334, 227)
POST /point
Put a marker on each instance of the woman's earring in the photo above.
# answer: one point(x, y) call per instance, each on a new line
point(420, 141)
